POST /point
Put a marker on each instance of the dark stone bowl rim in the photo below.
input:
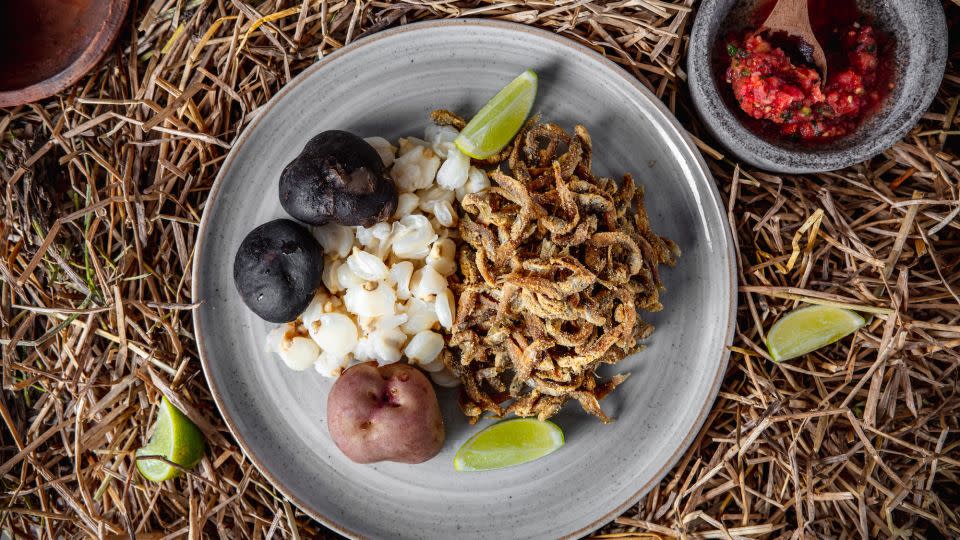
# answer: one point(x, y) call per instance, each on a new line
point(922, 77)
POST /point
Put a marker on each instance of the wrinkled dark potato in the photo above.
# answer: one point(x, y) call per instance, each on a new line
point(277, 270)
point(338, 178)
point(385, 414)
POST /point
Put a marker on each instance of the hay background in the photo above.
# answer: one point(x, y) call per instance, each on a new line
point(104, 186)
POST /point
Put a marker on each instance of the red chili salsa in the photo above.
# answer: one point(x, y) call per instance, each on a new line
point(786, 96)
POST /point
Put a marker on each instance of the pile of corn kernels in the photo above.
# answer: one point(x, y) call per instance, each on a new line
point(385, 296)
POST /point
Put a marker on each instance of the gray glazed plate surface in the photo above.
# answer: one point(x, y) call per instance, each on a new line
point(387, 85)
point(918, 33)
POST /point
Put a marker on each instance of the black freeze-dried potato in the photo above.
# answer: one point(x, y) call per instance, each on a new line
point(338, 178)
point(278, 269)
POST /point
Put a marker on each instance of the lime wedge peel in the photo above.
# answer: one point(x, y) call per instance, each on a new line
point(175, 438)
point(508, 443)
point(807, 329)
point(495, 125)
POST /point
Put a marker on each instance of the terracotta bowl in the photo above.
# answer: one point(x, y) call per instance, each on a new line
point(919, 53)
point(47, 45)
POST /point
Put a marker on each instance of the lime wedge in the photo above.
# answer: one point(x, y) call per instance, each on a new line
point(500, 119)
point(508, 443)
point(175, 438)
point(807, 329)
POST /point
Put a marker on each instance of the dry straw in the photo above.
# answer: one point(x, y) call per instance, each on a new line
point(104, 186)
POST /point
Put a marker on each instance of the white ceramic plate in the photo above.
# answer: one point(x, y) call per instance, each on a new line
point(386, 85)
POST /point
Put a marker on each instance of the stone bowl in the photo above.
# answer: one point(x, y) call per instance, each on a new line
point(48, 45)
point(919, 53)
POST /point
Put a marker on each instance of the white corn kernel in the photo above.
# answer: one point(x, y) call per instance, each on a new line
point(420, 316)
point(383, 147)
point(415, 169)
point(445, 214)
point(329, 365)
point(424, 347)
point(367, 324)
point(336, 240)
point(316, 307)
point(441, 138)
point(381, 346)
point(427, 283)
point(412, 236)
point(364, 236)
point(407, 204)
point(335, 333)
point(300, 353)
point(477, 181)
point(373, 299)
point(408, 144)
point(445, 307)
point(367, 266)
point(389, 322)
point(296, 351)
point(401, 273)
point(278, 334)
point(372, 237)
point(387, 345)
point(454, 171)
point(441, 256)
point(430, 197)
point(347, 278)
point(330, 278)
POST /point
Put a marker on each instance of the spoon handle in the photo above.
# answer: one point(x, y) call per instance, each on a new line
point(789, 13)
point(793, 17)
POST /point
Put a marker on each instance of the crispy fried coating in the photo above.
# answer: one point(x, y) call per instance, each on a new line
point(443, 117)
point(554, 265)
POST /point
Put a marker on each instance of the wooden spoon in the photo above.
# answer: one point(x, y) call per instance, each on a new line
point(793, 18)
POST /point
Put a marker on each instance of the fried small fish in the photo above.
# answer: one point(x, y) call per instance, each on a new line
point(554, 264)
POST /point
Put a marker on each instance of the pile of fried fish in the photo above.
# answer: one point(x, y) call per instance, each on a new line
point(554, 264)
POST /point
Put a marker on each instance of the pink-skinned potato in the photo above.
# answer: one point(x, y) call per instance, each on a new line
point(387, 413)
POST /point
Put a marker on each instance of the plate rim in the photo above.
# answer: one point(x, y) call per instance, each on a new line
point(574, 47)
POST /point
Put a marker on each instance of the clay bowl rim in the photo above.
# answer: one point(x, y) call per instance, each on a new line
point(903, 107)
point(93, 52)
